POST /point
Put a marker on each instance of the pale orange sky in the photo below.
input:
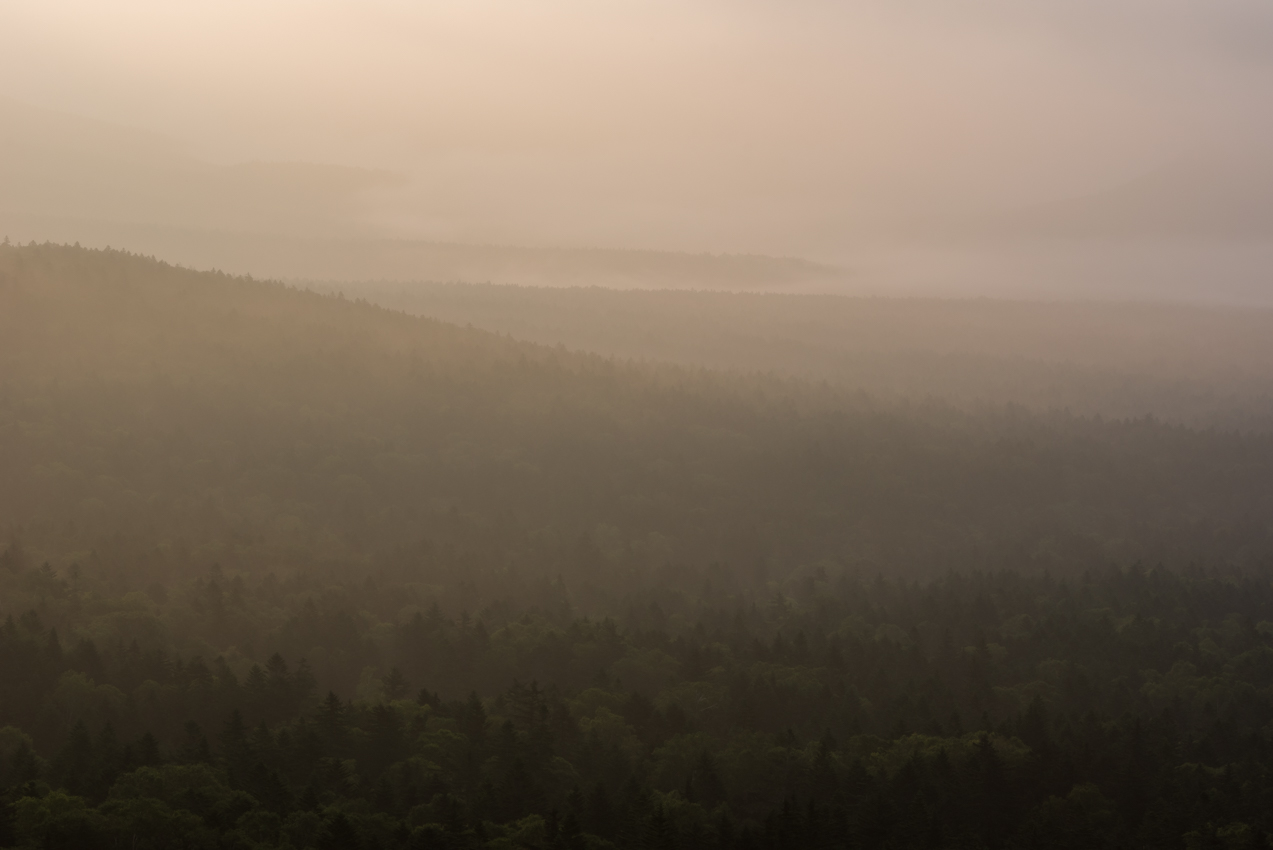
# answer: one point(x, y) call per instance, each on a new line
point(801, 128)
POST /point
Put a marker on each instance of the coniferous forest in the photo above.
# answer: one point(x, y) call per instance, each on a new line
point(289, 570)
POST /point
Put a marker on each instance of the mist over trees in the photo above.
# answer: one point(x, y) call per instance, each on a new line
point(290, 569)
point(1202, 365)
point(193, 409)
point(636, 426)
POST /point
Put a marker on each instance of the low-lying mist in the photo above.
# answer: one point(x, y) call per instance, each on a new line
point(1204, 366)
point(475, 425)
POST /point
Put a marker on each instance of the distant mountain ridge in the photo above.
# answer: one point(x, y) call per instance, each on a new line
point(339, 259)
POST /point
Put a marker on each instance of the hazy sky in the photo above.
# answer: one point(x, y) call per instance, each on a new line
point(794, 127)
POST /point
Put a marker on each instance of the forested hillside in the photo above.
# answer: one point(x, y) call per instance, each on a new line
point(209, 419)
point(289, 570)
point(1201, 365)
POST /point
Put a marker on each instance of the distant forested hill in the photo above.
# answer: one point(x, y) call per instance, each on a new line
point(215, 419)
point(1199, 365)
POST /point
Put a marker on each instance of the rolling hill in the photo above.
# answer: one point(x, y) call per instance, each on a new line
point(199, 418)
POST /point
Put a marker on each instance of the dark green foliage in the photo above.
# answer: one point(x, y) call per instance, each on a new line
point(1125, 708)
point(194, 748)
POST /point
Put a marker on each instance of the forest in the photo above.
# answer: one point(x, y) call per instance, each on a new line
point(283, 569)
point(1202, 365)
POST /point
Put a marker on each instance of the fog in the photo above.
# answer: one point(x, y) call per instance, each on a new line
point(1087, 149)
point(606, 426)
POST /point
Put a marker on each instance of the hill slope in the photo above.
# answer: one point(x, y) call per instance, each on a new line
point(1201, 366)
point(194, 418)
point(253, 496)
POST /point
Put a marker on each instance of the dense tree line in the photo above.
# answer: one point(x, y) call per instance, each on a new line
point(1121, 709)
